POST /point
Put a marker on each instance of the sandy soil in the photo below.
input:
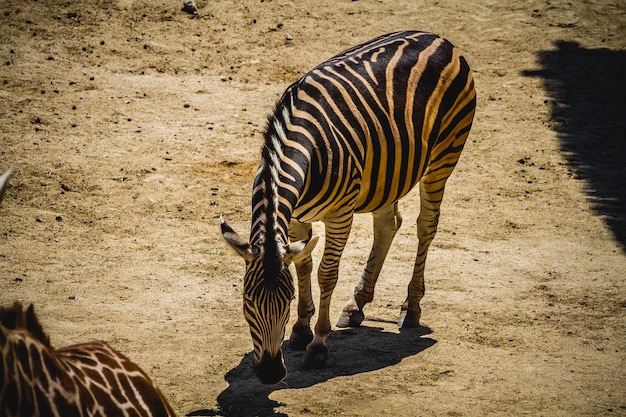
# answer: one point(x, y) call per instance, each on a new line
point(132, 125)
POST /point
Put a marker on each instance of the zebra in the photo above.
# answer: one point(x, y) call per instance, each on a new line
point(353, 135)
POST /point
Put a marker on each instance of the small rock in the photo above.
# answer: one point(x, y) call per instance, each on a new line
point(189, 6)
point(289, 37)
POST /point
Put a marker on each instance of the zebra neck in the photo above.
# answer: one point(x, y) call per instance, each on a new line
point(280, 179)
point(271, 209)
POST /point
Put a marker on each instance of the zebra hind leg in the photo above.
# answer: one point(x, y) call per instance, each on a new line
point(431, 194)
point(387, 221)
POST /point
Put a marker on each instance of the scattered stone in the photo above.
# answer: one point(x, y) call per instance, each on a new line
point(189, 6)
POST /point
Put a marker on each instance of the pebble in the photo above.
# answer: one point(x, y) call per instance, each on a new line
point(189, 6)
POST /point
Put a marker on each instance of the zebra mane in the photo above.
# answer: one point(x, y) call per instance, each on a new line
point(270, 170)
point(15, 318)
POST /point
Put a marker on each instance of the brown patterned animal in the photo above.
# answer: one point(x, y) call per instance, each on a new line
point(88, 379)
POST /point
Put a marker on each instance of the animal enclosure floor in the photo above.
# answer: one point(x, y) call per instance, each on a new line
point(132, 126)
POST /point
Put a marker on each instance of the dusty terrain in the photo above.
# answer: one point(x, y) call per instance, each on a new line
point(132, 125)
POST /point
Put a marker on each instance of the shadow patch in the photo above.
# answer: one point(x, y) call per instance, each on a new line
point(588, 104)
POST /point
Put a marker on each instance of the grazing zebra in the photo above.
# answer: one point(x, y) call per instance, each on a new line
point(353, 135)
point(89, 379)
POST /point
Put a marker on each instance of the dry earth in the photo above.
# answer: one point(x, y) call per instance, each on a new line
point(132, 125)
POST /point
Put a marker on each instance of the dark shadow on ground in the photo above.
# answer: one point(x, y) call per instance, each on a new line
point(352, 351)
point(588, 102)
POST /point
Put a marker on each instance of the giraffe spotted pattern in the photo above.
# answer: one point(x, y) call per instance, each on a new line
point(88, 379)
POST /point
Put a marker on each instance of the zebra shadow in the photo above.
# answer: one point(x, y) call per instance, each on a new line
point(352, 351)
point(587, 89)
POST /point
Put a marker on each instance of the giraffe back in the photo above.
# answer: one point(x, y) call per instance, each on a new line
point(89, 379)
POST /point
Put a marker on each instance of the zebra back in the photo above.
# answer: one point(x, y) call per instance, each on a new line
point(363, 127)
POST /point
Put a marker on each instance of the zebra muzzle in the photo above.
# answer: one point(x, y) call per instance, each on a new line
point(271, 369)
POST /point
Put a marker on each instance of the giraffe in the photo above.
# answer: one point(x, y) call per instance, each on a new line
point(87, 379)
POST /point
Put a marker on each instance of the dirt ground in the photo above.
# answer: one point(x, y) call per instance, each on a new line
point(132, 125)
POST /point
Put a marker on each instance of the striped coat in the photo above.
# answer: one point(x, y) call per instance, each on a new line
point(353, 135)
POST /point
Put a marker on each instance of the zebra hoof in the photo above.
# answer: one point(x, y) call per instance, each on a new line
point(315, 356)
point(300, 338)
point(409, 319)
point(350, 319)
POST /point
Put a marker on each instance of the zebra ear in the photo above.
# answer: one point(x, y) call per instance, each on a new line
point(297, 250)
point(239, 244)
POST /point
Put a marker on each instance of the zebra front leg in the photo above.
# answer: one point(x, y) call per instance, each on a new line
point(431, 194)
point(337, 233)
point(387, 221)
point(301, 334)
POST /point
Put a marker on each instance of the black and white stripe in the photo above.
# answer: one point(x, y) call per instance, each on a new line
point(353, 135)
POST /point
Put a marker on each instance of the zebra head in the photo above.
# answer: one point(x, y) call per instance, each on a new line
point(268, 291)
